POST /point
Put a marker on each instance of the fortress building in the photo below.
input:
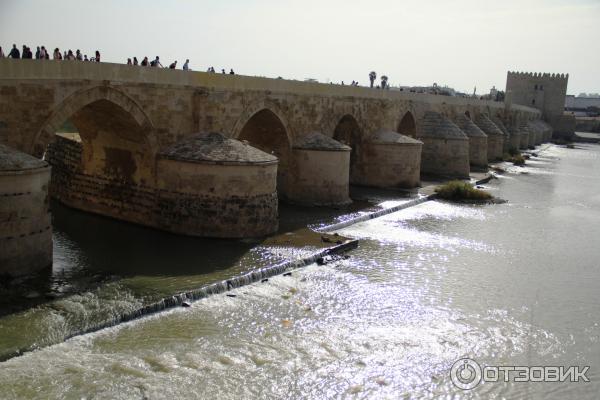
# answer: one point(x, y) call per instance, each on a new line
point(543, 91)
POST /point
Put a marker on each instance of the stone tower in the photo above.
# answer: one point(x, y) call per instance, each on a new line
point(543, 91)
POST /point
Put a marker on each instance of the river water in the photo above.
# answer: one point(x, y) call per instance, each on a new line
point(514, 284)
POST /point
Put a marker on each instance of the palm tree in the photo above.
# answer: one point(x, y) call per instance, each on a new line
point(372, 77)
point(384, 80)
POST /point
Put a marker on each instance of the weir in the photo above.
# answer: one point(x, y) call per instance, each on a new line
point(202, 292)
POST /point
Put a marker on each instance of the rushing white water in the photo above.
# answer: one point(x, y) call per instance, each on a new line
point(507, 284)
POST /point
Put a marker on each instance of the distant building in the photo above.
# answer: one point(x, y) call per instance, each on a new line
point(544, 91)
point(493, 92)
point(583, 106)
point(494, 95)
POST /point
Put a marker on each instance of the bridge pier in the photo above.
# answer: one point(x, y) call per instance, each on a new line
point(206, 185)
point(495, 137)
point(445, 147)
point(209, 185)
point(320, 172)
point(524, 135)
point(515, 138)
point(389, 160)
point(506, 134)
point(477, 141)
point(25, 229)
point(535, 136)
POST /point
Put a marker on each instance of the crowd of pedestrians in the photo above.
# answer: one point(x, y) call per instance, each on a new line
point(156, 63)
point(42, 53)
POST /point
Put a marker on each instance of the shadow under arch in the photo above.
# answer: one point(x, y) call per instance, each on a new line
point(114, 131)
point(78, 100)
point(266, 130)
point(407, 125)
point(348, 132)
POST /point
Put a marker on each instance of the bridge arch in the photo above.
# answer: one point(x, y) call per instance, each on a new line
point(349, 132)
point(408, 125)
point(265, 129)
point(115, 134)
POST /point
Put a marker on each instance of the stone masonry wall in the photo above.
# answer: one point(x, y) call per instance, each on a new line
point(168, 105)
point(194, 214)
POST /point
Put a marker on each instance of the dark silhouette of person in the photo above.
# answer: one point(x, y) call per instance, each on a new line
point(231, 72)
point(27, 53)
point(14, 53)
point(135, 61)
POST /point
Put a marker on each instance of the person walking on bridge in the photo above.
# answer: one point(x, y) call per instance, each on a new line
point(173, 65)
point(97, 59)
point(156, 63)
point(145, 62)
point(14, 53)
point(135, 61)
point(186, 66)
point(27, 53)
point(1, 53)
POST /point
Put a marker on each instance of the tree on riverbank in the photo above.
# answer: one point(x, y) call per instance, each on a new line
point(384, 80)
point(372, 77)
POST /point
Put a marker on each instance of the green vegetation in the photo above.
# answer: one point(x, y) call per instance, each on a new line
point(516, 158)
point(461, 191)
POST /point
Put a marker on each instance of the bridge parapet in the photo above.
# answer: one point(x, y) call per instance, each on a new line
point(120, 73)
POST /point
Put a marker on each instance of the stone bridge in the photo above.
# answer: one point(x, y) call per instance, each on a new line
point(137, 129)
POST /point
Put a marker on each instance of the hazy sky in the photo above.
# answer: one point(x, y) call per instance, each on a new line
point(461, 43)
